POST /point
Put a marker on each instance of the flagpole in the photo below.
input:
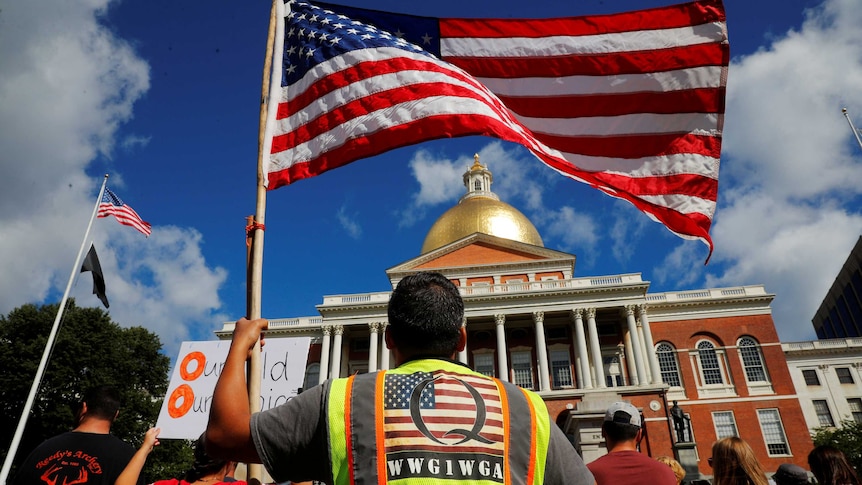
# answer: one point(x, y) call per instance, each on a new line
point(855, 131)
point(49, 345)
point(256, 228)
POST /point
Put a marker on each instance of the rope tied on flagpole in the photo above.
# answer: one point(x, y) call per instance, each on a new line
point(249, 231)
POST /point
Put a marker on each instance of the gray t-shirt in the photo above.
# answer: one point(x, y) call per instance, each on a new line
point(292, 442)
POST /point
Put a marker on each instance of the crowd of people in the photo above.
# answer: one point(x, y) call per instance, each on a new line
point(378, 427)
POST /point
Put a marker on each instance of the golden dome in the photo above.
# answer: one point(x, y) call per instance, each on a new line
point(479, 210)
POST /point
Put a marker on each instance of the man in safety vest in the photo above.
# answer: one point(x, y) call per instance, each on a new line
point(429, 420)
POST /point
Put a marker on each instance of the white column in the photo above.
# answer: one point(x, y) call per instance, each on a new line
point(582, 362)
point(502, 362)
point(335, 373)
point(462, 355)
point(652, 357)
point(647, 375)
point(384, 352)
point(542, 351)
point(629, 312)
point(627, 364)
point(374, 328)
point(595, 349)
point(324, 354)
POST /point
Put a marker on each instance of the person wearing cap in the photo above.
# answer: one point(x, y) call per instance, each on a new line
point(430, 420)
point(624, 464)
point(790, 474)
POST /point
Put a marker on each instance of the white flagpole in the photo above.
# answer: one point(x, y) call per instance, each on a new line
point(855, 131)
point(49, 345)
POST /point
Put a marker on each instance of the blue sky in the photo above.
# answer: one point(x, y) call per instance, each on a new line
point(163, 95)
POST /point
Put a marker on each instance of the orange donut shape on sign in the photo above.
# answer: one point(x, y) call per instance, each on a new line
point(200, 358)
point(187, 395)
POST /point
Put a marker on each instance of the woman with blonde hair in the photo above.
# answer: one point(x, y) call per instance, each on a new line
point(674, 465)
point(733, 463)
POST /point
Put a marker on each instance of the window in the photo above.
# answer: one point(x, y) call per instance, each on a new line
point(668, 364)
point(312, 376)
point(484, 364)
point(561, 369)
point(855, 408)
point(810, 376)
point(522, 368)
point(824, 417)
point(752, 360)
point(773, 432)
point(360, 344)
point(844, 376)
point(613, 371)
point(477, 184)
point(709, 363)
point(725, 424)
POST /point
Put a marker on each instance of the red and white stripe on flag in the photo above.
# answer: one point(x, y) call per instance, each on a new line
point(630, 103)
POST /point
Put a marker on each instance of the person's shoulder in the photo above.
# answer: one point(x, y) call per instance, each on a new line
point(118, 441)
point(598, 462)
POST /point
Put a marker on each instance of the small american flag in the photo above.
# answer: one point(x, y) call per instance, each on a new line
point(631, 103)
point(112, 205)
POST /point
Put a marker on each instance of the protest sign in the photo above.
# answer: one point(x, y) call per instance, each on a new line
point(186, 408)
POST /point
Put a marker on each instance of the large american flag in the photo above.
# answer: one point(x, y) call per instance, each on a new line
point(630, 103)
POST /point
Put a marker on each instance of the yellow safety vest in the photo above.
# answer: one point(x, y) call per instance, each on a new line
point(434, 422)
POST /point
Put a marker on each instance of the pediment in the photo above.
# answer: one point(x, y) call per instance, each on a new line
point(479, 251)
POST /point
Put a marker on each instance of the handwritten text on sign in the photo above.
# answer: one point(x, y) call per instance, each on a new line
point(186, 408)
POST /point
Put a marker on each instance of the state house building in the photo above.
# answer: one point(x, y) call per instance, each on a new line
point(584, 342)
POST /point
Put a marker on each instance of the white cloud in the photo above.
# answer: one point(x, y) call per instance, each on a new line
point(162, 282)
point(67, 85)
point(349, 223)
point(627, 226)
point(575, 230)
point(132, 142)
point(791, 172)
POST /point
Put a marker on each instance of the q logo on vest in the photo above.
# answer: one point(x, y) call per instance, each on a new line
point(471, 434)
point(181, 399)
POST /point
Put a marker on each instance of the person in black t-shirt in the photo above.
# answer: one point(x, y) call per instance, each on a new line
point(89, 454)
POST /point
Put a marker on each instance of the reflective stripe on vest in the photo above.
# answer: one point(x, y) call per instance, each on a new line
point(433, 421)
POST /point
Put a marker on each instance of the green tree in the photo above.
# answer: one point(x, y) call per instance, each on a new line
point(847, 438)
point(89, 350)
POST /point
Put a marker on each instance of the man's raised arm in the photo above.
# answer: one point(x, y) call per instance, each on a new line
point(228, 433)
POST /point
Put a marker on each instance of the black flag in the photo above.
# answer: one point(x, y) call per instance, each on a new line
point(91, 263)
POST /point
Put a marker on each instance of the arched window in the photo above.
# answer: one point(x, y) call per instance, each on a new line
point(477, 184)
point(709, 366)
point(752, 360)
point(312, 375)
point(668, 364)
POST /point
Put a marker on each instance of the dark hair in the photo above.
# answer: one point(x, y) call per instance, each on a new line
point(425, 315)
point(830, 466)
point(204, 464)
point(103, 402)
point(620, 431)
